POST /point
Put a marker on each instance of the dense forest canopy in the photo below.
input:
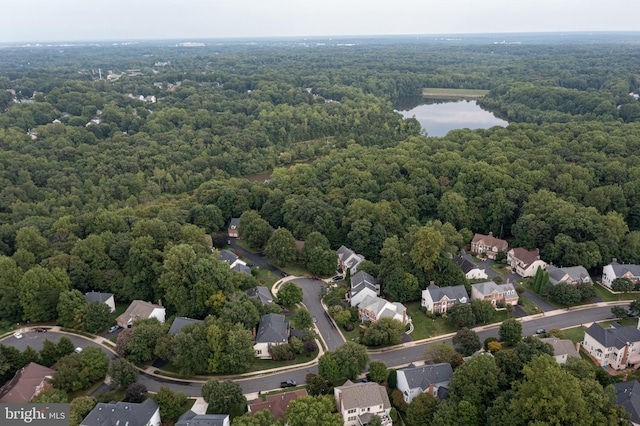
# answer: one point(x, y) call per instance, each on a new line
point(115, 160)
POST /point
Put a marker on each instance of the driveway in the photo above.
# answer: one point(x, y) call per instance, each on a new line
point(258, 260)
point(543, 304)
point(486, 265)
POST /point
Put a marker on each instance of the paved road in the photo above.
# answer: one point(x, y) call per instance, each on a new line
point(36, 341)
point(258, 260)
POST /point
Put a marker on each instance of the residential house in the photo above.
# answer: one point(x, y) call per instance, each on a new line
point(362, 285)
point(469, 267)
point(233, 227)
point(573, 275)
point(563, 349)
point(106, 298)
point(146, 413)
point(276, 404)
point(431, 378)
point(260, 293)
point(616, 270)
point(357, 403)
point(26, 384)
point(616, 346)
point(525, 262)
point(241, 268)
point(194, 419)
point(230, 258)
point(372, 308)
point(139, 309)
point(628, 397)
point(273, 329)
point(500, 295)
point(441, 299)
point(488, 245)
point(179, 322)
point(348, 259)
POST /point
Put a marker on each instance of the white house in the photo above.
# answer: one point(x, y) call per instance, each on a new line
point(362, 285)
point(563, 349)
point(615, 270)
point(139, 309)
point(431, 378)
point(372, 308)
point(231, 259)
point(616, 346)
point(348, 259)
point(525, 262)
point(357, 403)
point(106, 298)
point(469, 268)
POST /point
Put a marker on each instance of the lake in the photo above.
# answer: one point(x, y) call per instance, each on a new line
point(439, 117)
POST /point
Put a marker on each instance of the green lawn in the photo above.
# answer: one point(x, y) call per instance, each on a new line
point(529, 307)
point(425, 327)
point(623, 321)
point(500, 268)
point(266, 277)
point(608, 296)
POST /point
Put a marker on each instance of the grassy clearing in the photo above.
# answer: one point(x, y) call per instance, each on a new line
point(438, 92)
point(608, 296)
point(500, 268)
point(623, 321)
point(425, 327)
point(529, 307)
point(266, 277)
point(575, 334)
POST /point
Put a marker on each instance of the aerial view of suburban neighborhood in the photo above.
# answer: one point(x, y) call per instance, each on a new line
point(320, 231)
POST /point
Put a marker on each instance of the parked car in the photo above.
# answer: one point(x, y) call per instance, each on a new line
point(17, 335)
point(78, 350)
point(114, 328)
point(315, 277)
point(315, 320)
point(541, 331)
point(337, 278)
point(288, 384)
point(41, 330)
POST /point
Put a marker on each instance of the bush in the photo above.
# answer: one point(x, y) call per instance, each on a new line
point(281, 352)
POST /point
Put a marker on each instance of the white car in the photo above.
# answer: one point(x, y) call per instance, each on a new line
point(78, 350)
point(17, 335)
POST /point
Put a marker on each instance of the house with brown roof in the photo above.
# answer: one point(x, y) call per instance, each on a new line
point(139, 309)
point(27, 383)
point(357, 403)
point(525, 262)
point(277, 404)
point(488, 245)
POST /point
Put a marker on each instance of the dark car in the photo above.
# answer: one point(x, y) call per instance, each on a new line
point(288, 384)
point(541, 331)
point(337, 278)
point(41, 330)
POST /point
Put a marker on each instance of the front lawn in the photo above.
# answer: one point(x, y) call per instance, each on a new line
point(529, 307)
point(608, 296)
point(575, 334)
point(425, 327)
point(500, 268)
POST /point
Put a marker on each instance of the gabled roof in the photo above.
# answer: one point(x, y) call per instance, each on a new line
point(193, 419)
point(360, 395)
point(94, 296)
point(179, 322)
point(489, 287)
point(243, 269)
point(422, 377)
point(277, 404)
point(622, 269)
point(228, 256)
point(348, 257)
point(456, 292)
point(526, 257)
point(562, 347)
point(260, 293)
point(272, 329)
point(490, 240)
point(465, 262)
point(138, 309)
point(614, 336)
point(361, 280)
point(628, 396)
point(24, 384)
point(121, 413)
point(575, 273)
point(234, 223)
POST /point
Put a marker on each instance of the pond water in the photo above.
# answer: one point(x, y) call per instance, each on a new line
point(437, 118)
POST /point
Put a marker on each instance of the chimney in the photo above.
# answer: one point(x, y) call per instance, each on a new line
point(491, 233)
point(508, 279)
point(159, 302)
point(614, 260)
point(254, 333)
point(578, 347)
point(431, 389)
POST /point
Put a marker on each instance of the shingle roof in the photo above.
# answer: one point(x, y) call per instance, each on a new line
point(525, 256)
point(179, 322)
point(577, 273)
point(490, 240)
point(121, 413)
point(562, 346)
point(456, 292)
point(260, 293)
point(356, 395)
point(348, 257)
point(621, 269)
point(277, 404)
point(228, 256)
point(22, 387)
point(192, 419)
point(138, 309)
point(94, 296)
point(243, 269)
point(422, 377)
point(628, 396)
point(234, 223)
point(465, 262)
point(361, 280)
point(273, 328)
point(489, 287)
point(614, 336)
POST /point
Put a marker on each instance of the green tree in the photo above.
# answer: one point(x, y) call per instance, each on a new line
point(122, 373)
point(565, 294)
point(312, 411)
point(442, 352)
point(39, 292)
point(302, 319)
point(79, 408)
point(461, 314)
point(378, 371)
point(476, 382)
point(171, 403)
point(352, 359)
point(10, 308)
point(51, 396)
point(144, 337)
point(30, 355)
point(623, 285)
point(426, 250)
point(328, 367)
point(466, 341)
point(289, 294)
point(421, 409)
point(224, 397)
point(530, 347)
point(342, 317)
point(98, 317)
point(386, 331)
point(315, 240)
point(619, 312)
point(29, 239)
point(322, 261)
point(282, 247)
point(254, 229)
point(634, 306)
point(64, 346)
point(483, 311)
point(48, 353)
point(72, 307)
point(510, 331)
point(136, 392)
point(318, 385)
point(260, 418)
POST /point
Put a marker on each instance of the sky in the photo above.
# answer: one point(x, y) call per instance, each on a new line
point(84, 20)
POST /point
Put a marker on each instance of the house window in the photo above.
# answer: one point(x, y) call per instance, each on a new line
point(259, 352)
point(353, 410)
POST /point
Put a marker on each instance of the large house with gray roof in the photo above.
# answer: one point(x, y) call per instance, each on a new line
point(362, 285)
point(431, 378)
point(373, 308)
point(179, 322)
point(273, 330)
point(628, 397)
point(146, 413)
point(357, 403)
point(260, 293)
point(469, 268)
point(616, 270)
point(106, 298)
point(616, 346)
point(572, 275)
point(500, 295)
point(230, 258)
point(440, 299)
point(194, 419)
point(563, 349)
point(348, 259)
